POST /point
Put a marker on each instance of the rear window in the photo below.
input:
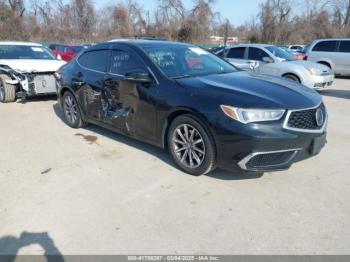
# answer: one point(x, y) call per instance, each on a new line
point(325, 46)
point(237, 53)
point(344, 47)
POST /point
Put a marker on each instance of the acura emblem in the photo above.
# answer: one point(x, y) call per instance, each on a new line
point(319, 117)
point(43, 83)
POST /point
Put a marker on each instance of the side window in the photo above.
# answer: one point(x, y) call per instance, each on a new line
point(344, 47)
point(124, 62)
point(325, 46)
point(237, 53)
point(95, 60)
point(257, 54)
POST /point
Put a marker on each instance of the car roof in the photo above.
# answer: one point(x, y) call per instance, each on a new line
point(331, 39)
point(253, 45)
point(19, 43)
point(148, 43)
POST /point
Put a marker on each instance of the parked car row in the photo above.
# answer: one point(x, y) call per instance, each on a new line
point(204, 110)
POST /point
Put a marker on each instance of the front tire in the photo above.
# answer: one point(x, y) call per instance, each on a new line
point(7, 92)
point(191, 145)
point(71, 111)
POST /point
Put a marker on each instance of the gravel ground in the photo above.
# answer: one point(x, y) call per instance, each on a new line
point(90, 191)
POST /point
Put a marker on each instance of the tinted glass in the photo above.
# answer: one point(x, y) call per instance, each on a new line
point(325, 46)
point(237, 53)
point(123, 62)
point(344, 47)
point(25, 52)
point(95, 60)
point(257, 54)
point(177, 61)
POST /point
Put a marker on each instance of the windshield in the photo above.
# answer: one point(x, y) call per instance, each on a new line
point(25, 52)
point(187, 61)
point(280, 53)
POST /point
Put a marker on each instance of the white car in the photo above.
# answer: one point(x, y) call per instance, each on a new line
point(26, 69)
point(296, 47)
point(272, 60)
point(334, 53)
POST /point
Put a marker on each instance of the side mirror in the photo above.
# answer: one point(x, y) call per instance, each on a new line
point(58, 56)
point(139, 77)
point(267, 59)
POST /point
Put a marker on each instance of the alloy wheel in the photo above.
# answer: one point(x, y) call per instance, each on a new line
point(70, 109)
point(188, 146)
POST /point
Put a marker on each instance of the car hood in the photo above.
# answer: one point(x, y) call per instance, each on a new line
point(33, 65)
point(250, 90)
point(307, 64)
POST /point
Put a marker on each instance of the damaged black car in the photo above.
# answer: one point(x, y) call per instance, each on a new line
point(203, 110)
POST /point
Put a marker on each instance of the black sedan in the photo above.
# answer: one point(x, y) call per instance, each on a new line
point(203, 110)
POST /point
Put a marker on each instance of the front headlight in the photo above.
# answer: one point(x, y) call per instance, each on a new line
point(311, 71)
point(252, 115)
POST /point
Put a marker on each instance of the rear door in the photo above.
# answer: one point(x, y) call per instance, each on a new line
point(344, 58)
point(237, 57)
point(88, 82)
point(131, 105)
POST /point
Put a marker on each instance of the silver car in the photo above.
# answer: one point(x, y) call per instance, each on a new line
point(334, 53)
point(272, 60)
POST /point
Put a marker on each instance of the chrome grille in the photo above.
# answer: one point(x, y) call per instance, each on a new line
point(306, 119)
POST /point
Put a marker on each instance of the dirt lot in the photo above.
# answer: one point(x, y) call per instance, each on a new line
point(90, 191)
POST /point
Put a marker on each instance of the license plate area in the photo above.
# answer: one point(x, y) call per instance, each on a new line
point(317, 144)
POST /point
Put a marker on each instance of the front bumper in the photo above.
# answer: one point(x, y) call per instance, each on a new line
point(319, 82)
point(264, 147)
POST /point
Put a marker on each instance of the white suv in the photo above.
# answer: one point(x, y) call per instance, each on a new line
point(334, 53)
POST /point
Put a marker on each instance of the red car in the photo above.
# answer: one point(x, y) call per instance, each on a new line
point(66, 52)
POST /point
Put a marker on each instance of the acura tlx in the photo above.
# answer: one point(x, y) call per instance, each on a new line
point(207, 113)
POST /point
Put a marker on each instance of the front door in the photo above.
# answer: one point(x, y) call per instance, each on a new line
point(130, 105)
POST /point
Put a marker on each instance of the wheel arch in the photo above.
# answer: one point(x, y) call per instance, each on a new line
point(294, 74)
point(63, 90)
point(326, 62)
point(178, 112)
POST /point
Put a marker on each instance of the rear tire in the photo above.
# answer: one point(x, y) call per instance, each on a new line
point(71, 111)
point(191, 145)
point(292, 77)
point(7, 91)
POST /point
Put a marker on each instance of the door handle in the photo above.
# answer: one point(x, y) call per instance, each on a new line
point(78, 83)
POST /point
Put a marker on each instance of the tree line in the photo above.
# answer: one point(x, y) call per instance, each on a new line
point(79, 21)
